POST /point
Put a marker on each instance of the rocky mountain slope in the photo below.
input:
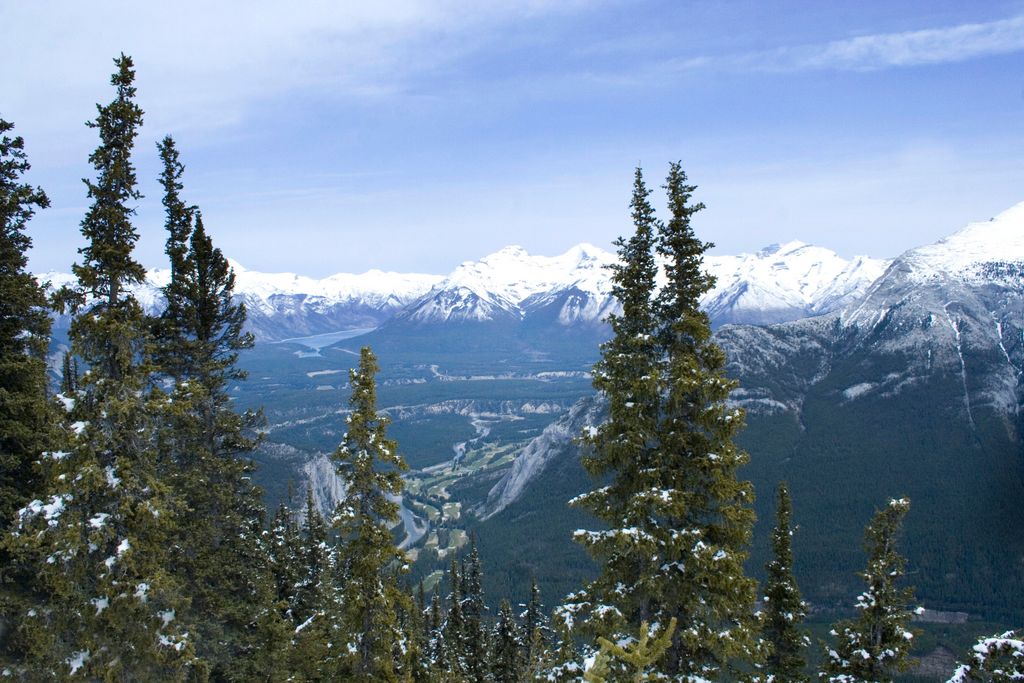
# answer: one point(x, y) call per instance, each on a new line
point(914, 388)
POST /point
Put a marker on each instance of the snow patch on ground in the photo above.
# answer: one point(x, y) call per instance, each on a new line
point(858, 390)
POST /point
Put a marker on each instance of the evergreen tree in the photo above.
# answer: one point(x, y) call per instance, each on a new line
point(624, 448)
point(436, 653)
point(284, 547)
point(679, 519)
point(68, 375)
point(197, 340)
point(454, 629)
point(315, 603)
point(370, 466)
point(25, 412)
point(875, 646)
point(27, 417)
point(534, 626)
point(310, 591)
point(704, 510)
point(473, 609)
point(507, 657)
point(171, 329)
point(98, 539)
point(996, 659)
point(784, 609)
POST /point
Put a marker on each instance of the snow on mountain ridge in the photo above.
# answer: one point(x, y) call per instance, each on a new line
point(779, 282)
point(499, 284)
point(794, 275)
point(965, 253)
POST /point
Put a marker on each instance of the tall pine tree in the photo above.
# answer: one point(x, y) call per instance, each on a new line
point(679, 519)
point(875, 646)
point(473, 612)
point(27, 416)
point(703, 509)
point(219, 548)
point(507, 665)
point(99, 537)
point(371, 467)
point(624, 449)
point(784, 610)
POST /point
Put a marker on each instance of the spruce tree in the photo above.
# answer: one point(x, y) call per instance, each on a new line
point(197, 340)
point(704, 509)
point(473, 609)
point(995, 659)
point(454, 629)
point(172, 352)
point(25, 411)
point(369, 464)
point(98, 539)
point(624, 448)
point(435, 651)
point(679, 518)
point(315, 603)
point(784, 610)
point(27, 416)
point(507, 665)
point(875, 646)
point(535, 626)
point(68, 375)
point(284, 547)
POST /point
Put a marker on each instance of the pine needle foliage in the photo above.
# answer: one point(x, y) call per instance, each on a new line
point(634, 660)
point(679, 518)
point(371, 467)
point(995, 659)
point(875, 646)
point(507, 663)
point(784, 610)
point(25, 411)
point(624, 448)
point(28, 418)
point(99, 536)
point(219, 547)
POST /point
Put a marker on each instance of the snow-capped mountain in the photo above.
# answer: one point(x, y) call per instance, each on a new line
point(282, 305)
point(785, 282)
point(510, 283)
point(573, 289)
point(916, 389)
point(776, 284)
point(955, 306)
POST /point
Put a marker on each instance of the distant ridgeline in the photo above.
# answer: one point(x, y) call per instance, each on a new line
point(514, 288)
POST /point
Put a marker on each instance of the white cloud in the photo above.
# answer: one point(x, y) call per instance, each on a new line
point(909, 48)
point(204, 65)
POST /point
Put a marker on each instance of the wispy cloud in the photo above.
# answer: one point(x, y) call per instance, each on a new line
point(206, 66)
point(909, 48)
point(870, 52)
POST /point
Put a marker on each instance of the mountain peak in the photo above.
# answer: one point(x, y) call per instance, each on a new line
point(965, 253)
point(783, 249)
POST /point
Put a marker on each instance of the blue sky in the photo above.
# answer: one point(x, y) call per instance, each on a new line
point(411, 136)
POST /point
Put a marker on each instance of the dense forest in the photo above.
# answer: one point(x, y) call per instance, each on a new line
point(136, 547)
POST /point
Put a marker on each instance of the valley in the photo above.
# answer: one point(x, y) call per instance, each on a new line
point(486, 412)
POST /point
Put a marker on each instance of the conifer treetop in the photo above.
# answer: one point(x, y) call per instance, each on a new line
point(108, 266)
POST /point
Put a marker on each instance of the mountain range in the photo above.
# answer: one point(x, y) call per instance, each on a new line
point(913, 387)
point(778, 283)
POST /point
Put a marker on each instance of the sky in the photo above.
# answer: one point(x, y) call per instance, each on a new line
point(325, 136)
